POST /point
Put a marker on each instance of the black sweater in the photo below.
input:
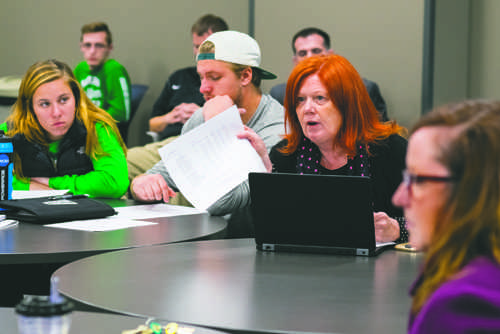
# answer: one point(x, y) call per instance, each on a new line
point(387, 161)
point(71, 159)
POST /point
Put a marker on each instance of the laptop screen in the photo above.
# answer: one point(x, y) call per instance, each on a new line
point(312, 210)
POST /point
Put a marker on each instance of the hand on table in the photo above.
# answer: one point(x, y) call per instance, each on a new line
point(151, 188)
point(386, 228)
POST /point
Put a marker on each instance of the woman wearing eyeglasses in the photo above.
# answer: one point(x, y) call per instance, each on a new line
point(451, 199)
point(333, 128)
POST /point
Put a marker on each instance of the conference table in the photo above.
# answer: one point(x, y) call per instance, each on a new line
point(29, 253)
point(229, 285)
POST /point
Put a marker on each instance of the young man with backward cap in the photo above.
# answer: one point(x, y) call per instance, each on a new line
point(179, 99)
point(228, 63)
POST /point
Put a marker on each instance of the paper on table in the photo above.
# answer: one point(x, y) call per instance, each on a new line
point(126, 217)
point(100, 225)
point(208, 161)
point(23, 194)
point(154, 211)
point(7, 223)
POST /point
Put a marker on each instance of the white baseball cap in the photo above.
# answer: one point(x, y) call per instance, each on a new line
point(235, 47)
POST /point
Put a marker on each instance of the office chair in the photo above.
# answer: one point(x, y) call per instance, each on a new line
point(138, 92)
point(154, 135)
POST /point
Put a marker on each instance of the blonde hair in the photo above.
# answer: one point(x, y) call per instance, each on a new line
point(469, 224)
point(23, 120)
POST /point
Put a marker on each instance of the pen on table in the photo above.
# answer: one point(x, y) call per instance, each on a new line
point(8, 223)
point(67, 196)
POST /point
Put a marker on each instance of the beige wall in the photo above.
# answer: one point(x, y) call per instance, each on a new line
point(382, 39)
point(484, 68)
point(151, 37)
point(451, 51)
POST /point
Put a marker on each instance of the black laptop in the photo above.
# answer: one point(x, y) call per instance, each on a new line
point(313, 213)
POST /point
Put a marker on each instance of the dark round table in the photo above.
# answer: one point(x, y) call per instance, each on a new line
point(229, 285)
point(29, 253)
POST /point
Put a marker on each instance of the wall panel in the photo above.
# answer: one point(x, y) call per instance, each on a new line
point(151, 38)
point(382, 39)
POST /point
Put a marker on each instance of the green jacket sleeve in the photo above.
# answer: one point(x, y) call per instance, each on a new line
point(118, 89)
point(110, 175)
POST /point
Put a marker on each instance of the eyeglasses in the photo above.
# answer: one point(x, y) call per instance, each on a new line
point(409, 179)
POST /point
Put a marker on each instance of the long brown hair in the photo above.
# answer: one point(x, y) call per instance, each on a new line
point(469, 224)
point(360, 118)
point(23, 119)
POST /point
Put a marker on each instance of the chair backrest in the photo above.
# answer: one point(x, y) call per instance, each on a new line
point(138, 92)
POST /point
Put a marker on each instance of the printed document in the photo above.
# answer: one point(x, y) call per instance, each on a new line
point(208, 161)
point(23, 194)
point(127, 217)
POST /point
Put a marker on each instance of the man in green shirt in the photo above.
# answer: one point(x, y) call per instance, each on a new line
point(105, 81)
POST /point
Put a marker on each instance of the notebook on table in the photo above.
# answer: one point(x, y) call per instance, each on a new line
point(313, 213)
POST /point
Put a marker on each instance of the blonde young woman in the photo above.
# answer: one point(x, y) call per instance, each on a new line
point(451, 198)
point(61, 139)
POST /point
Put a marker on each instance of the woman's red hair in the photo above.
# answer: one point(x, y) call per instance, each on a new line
point(361, 124)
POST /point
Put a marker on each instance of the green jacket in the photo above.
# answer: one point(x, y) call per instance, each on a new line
point(108, 87)
point(108, 179)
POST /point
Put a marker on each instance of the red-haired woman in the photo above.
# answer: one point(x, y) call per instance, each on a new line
point(333, 128)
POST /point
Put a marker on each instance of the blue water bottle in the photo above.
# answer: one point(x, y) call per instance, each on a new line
point(6, 166)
